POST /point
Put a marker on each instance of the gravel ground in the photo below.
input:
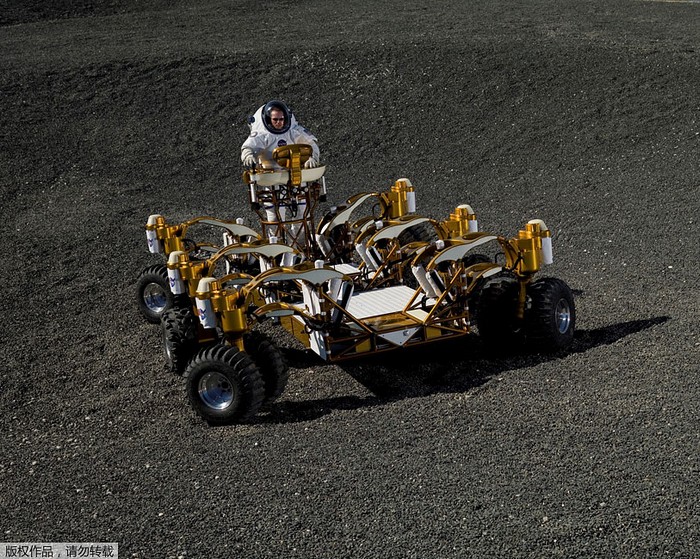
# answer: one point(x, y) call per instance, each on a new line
point(583, 114)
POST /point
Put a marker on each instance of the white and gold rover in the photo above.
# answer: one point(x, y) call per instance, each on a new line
point(345, 287)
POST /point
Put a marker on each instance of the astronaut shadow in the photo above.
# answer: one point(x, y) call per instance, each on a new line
point(447, 367)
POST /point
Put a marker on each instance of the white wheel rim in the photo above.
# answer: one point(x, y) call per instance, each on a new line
point(154, 298)
point(216, 391)
point(563, 316)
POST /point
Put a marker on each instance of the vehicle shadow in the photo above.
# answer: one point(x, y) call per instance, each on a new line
point(449, 367)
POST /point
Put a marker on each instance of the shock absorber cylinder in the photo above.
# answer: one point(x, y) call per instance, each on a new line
point(184, 273)
point(155, 245)
point(546, 237)
point(402, 198)
point(535, 246)
point(462, 221)
point(163, 238)
point(177, 284)
point(205, 308)
point(228, 303)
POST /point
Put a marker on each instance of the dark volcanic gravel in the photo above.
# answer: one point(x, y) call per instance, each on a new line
point(585, 114)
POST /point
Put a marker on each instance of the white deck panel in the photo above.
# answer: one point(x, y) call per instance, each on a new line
point(418, 314)
point(380, 301)
point(346, 269)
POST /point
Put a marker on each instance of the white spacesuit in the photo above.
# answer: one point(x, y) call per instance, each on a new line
point(266, 135)
point(274, 125)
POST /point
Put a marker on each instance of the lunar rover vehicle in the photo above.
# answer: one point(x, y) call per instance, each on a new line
point(344, 286)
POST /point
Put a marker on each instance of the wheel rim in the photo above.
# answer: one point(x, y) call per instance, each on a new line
point(154, 298)
point(216, 391)
point(563, 316)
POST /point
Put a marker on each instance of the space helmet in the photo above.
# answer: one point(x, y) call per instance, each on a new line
point(266, 118)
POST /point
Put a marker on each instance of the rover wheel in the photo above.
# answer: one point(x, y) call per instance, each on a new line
point(496, 313)
point(153, 293)
point(270, 361)
point(179, 337)
point(423, 232)
point(224, 385)
point(550, 318)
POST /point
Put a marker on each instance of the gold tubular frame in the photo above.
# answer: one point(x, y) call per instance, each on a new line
point(239, 300)
point(290, 196)
point(447, 316)
point(173, 235)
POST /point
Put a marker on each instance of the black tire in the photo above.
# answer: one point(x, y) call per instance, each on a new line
point(224, 385)
point(550, 318)
point(496, 313)
point(423, 232)
point(269, 359)
point(153, 294)
point(179, 338)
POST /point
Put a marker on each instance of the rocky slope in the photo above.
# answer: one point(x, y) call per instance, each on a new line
point(585, 115)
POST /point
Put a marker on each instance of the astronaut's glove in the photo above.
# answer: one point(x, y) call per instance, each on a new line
point(248, 158)
point(310, 163)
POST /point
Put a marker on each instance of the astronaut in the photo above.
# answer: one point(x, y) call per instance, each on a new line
point(274, 125)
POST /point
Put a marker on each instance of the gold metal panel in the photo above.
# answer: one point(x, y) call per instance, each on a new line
point(234, 321)
point(296, 328)
point(432, 333)
point(389, 322)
